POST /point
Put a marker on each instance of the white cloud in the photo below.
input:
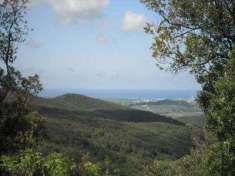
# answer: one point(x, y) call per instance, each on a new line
point(70, 10)
point(132, 22)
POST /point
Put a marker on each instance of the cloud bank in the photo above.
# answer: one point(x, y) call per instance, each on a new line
point(72, 10)
point(132, 22)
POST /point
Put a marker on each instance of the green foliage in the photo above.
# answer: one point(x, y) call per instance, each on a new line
point(199, 36)
point(19, 127)
point(220, 160)
point(58, 165)
point(159, 168)
point(185, 166)
point(16, 130)
point(30, 163)
point(181, 110)
point(121, 148)
point(189, 165)
point(219, 105)
point(122, 140)
point(21, 132)
point(74, 105)
point(105, 168)
point(12, 31)
point(213, 160)
point(194, 34)
point(108, 168)
point(91, 169)
point(75, 102)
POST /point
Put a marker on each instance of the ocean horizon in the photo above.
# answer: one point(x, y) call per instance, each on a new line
point(125, 94)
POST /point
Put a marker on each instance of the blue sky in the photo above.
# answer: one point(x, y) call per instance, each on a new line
point(94, 44)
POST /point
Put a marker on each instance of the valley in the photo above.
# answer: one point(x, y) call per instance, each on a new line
point(129, 136)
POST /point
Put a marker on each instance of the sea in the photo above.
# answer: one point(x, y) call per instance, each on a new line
point(126, 94)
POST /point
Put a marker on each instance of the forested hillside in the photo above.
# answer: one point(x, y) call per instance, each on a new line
point(78, 105)
point(188, 112)
point(130, 139)
point(76, 135)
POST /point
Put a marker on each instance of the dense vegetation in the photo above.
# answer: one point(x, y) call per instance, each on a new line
point(78, 105)
point(74, 102)
point(181, 110)
point(200, 36)
point(78, 135)
point(115, 135)
point(90, 137)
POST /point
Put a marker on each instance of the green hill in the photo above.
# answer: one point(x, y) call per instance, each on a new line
point(77, 125)
point(128, 145)
point(87, 107)
point(74, 102)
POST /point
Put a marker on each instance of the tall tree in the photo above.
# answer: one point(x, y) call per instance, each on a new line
point(199, 35)
point(15, 90)
point(12, 30)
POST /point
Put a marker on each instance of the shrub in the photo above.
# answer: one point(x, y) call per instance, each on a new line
point(91, 169)
point(31, 163)
point(19, 133)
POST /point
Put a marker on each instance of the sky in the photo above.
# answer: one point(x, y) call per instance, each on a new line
point(94, 44)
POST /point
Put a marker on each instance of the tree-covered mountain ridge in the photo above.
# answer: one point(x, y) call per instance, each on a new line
point(129, 138)
point(76, 104)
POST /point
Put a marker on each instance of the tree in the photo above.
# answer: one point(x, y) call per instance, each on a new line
point(196, 35)
point(199, 35)
point(30, 163)
point(221, 119)
point(221, 108)
point(15, 90)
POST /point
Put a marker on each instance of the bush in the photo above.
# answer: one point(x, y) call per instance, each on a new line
point(58, 165)
point(219, 160)
point(214, 160)
point(31, 163)
point(19, 133)
point(91, 169)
